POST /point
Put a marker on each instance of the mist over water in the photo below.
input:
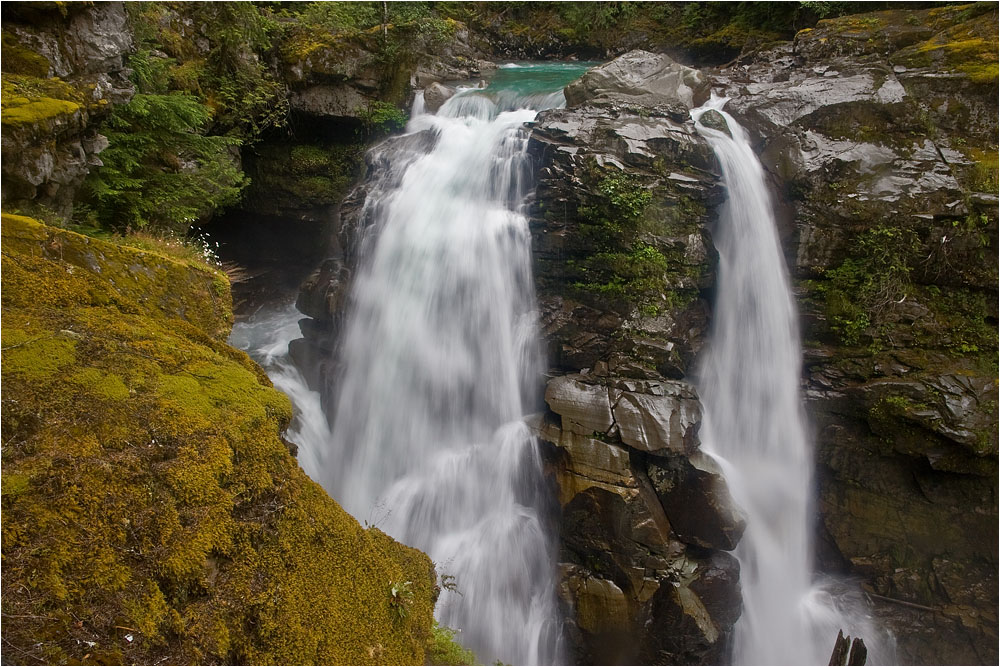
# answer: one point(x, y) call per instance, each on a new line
point(755, 426)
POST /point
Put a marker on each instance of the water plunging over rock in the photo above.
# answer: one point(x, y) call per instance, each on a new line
point(755, 426)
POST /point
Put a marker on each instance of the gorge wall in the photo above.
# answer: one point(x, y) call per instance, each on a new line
point(879, 132)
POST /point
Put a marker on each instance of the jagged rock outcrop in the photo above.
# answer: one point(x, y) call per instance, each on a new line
point(879, 131)
point(623, 263)
point(152, 512)
point(63, 71)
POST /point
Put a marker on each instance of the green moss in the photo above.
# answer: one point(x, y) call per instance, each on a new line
point(306, 158)
point(147, 490)
point(970, 47)
point(36, 355)
point(17, 59)
point(29, 100)
point(36, 111)
point(304, 175)
point(983, 177)
point(98, 384)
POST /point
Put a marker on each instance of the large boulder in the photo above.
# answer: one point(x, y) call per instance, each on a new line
point(640, 77)
point(436, 95)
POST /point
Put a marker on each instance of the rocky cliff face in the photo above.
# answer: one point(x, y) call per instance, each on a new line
point(63, 68)
point(879, 131)
point(152, 511)
point(624, 264)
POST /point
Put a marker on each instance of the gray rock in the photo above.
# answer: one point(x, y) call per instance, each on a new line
point(584, 408)
point(654, 423)
point(436, 95)
point(85, 45)
point(716, 121)
point(640, 75)
point(337, 100)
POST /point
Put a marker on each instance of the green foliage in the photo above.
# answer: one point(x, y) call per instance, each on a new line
point(381, 117)
point(249, 97)
point(401, 598)
point(442, 649)
point(402, 22)
point(862, 291)
point(168, 163)
point(159, 171)
point(342, 16)
point(586, 16)
point(619, 265)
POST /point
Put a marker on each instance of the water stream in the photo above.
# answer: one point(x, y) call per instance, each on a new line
point(755, 426)
point(440, 361)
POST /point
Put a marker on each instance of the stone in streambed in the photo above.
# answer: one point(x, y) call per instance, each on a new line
point(715, 120)
point(652, 78)
point(435, 95)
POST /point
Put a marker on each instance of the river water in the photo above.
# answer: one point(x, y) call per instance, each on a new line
point(755, 427)
point(440, 361)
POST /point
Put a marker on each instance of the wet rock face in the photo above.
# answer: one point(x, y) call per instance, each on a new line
point(639, 182)
point(880, 138)
point(623, 263)
point(50, 137)
point(645, 578)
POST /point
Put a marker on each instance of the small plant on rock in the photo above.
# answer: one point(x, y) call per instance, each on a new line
point(401, 598)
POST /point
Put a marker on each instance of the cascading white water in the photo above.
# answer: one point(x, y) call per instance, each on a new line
point(438, 352)
point(754, 425)
point(440, 361)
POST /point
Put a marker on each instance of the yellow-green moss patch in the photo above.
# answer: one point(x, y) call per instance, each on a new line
point(970, 47)
point(30, 100)
point(17, 59)
point(146, 488)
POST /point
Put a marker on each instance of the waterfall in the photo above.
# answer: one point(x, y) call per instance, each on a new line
point(755, 426)
point(440, 361)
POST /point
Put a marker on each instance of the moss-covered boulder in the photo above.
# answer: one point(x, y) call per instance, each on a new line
point(152, 512)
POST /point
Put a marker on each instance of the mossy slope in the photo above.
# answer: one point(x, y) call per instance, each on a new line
point(151, 511)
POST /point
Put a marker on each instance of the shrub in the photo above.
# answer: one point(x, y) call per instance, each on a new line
point(864, 289)
point(442, 649)
point(159, 171)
